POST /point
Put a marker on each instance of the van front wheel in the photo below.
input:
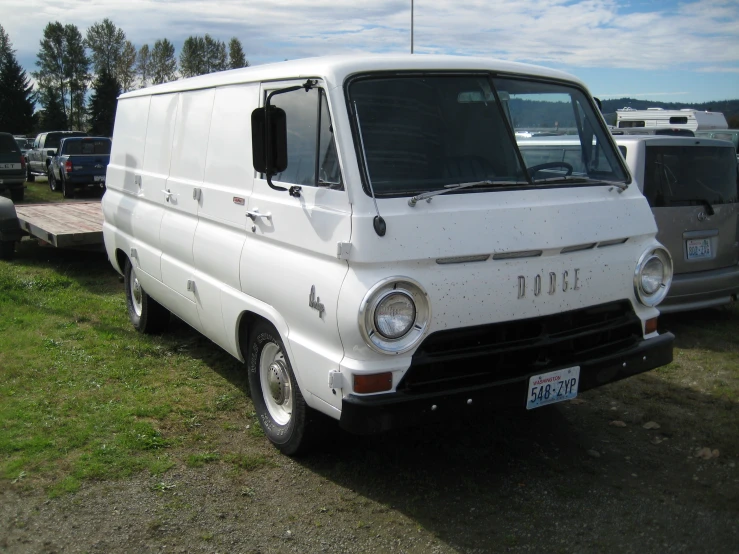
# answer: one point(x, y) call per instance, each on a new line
point(145, 313)
point(277, 399)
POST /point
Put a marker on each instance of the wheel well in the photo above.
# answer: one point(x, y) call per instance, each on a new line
point(247, 321)
point(120, 258)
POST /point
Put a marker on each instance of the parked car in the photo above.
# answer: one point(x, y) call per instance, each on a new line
point(44, 147)
point(12, 167)
point(693, 189)
point(24, 143)
point(691, 186)
point(732, 135)
point(80, 162)
point(369, 242)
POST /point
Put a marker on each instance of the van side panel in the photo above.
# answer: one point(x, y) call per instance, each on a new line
point(136, 220)
point(224, 198)
point(162, 112)
point(187, 167)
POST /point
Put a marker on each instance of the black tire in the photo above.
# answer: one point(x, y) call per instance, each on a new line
point(145, 313)
point(67, 190)
point(7, 249)
point(17, 194)
point(29, 176)
point(53, 185)
point(283, 415)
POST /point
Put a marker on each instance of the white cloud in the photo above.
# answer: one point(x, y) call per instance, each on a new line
point(586, 33)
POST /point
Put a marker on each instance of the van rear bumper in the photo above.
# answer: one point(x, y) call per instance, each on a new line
point(382, 412)
point(702, 289)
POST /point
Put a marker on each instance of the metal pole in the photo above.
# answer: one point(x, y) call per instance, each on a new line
point(411, 26)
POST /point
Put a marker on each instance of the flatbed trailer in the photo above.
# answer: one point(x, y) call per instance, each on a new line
point(64, 224)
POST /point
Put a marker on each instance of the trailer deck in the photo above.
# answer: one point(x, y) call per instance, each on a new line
point(64, 224)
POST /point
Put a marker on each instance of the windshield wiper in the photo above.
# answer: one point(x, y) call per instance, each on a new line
point(447, 188)
point(693, 201)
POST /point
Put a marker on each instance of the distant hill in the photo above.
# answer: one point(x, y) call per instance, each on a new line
point(730, 108)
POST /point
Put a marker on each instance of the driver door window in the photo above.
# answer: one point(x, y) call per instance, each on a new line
point(312, 159)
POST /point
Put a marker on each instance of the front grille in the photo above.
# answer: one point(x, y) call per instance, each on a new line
point(458, 358)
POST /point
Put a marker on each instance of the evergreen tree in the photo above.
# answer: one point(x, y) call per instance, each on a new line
point(105, 92)
point(163, 63)
point(17, 97)
point(143, 65)
point(53, 117)
point(201, 55)
point(192, 57)
point(236, 58)
point(215, 58)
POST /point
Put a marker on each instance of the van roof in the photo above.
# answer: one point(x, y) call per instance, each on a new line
point(335, 69)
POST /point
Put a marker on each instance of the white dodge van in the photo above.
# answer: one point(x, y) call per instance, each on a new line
point(365, 234)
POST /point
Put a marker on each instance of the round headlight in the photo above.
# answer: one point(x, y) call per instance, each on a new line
point(395, 315)
point(653, 276)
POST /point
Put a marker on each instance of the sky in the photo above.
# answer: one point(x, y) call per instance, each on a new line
point(663, 50)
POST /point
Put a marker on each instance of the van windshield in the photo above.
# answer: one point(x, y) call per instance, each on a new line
point(690, 175)
point(425, 132)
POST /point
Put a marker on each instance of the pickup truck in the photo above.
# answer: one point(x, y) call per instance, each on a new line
point(79, 162)
point(44, 147)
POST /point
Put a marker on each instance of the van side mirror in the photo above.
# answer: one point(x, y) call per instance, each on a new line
point(277, 133)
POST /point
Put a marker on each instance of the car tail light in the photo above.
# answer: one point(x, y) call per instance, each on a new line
point(68, 166)
point(23, 162)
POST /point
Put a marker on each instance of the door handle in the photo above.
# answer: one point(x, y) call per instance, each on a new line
point(167, 194)
point(255, 215)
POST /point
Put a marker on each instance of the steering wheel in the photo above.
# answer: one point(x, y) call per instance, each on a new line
point(549, 165)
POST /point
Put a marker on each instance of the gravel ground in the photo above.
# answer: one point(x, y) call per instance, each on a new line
point(560, 479)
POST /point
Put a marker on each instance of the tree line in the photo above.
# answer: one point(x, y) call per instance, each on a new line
point(79, 77)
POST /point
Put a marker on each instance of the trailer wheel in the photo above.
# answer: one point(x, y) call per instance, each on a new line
point(30, 177)
point(52, 181)
point(277, 399)
point(7, 249)
point(145, 313)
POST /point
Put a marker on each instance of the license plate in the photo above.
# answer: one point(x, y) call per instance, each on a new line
point(552, 387)
point(698, 248)
point(99, 178)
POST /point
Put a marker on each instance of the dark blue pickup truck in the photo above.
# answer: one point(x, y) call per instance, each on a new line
point(79, 162)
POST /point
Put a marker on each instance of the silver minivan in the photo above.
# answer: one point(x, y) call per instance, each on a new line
point(691, 186)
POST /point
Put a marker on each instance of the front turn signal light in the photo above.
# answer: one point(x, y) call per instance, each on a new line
point(375, 382)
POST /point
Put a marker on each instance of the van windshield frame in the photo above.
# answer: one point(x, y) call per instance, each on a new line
point(428, 131)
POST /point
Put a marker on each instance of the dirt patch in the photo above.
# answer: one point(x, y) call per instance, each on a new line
point(560, 479)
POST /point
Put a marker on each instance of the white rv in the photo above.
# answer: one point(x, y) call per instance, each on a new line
point(364, 234)
point(694, 120)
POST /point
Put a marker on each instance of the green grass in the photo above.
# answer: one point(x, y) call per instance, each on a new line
point(87, 397)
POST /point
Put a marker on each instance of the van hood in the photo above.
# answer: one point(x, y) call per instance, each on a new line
point(473, 224)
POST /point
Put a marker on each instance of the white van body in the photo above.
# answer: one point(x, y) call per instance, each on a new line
point(477, 279)
point(694, 120)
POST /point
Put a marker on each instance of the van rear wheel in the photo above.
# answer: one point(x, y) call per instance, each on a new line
point(145, 313)
point(30, 177)
point(277, 399)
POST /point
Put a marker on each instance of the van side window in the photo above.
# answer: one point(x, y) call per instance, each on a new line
point(311, 151)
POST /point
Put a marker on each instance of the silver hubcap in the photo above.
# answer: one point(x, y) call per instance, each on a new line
point(136, 293)
point(276, 384)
